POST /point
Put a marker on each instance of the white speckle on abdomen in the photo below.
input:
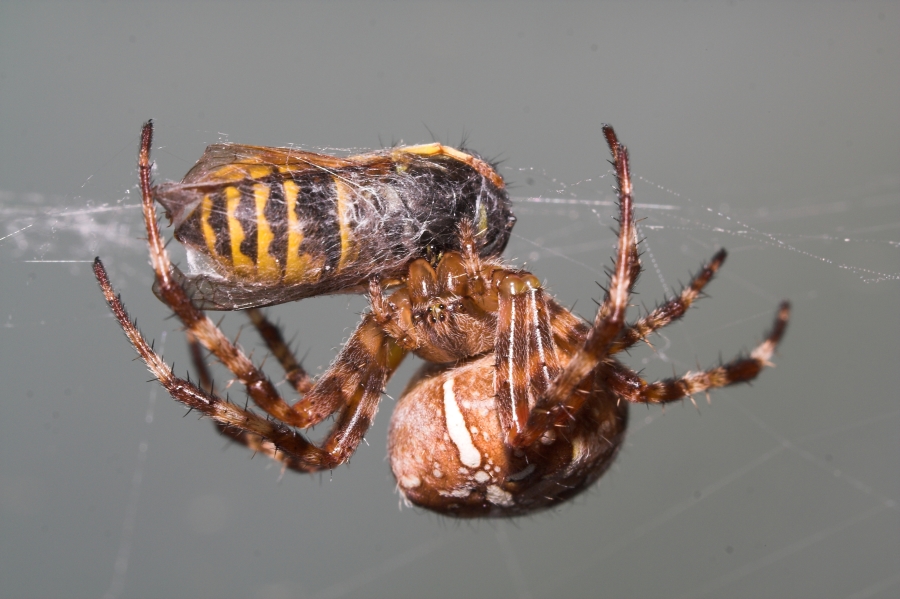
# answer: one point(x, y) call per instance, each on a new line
point(457, 429)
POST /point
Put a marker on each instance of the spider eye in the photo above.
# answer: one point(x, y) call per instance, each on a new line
point(437, 313)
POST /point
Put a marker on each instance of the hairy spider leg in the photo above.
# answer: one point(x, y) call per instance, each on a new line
point(353, 384)
point(253, 442)
point(669, 311)
point(560, 402)
point(632, 387)
point(204, 377)
point(191, 395)
point(294, 372)
point(526, 359)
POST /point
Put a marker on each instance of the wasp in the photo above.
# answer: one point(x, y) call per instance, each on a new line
point(265, 225)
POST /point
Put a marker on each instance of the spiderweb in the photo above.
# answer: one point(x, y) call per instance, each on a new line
point(748, 495)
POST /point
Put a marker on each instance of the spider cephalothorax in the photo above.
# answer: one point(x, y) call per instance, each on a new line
point(521, 404)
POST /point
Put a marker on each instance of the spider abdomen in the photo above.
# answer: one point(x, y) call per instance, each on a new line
point(449, 453)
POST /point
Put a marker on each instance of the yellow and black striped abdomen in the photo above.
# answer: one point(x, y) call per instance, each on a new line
point(271, 230)
point(269, 234)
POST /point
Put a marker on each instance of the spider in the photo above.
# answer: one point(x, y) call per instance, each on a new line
point(520, 405)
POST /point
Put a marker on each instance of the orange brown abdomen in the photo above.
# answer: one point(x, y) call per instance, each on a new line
point(449, 453)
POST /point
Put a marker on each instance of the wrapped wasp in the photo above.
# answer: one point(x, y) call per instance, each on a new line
point(264, 226)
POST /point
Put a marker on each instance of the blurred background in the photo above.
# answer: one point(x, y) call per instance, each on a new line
point(772, 130)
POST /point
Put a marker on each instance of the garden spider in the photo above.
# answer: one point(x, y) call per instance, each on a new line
point(520, 406)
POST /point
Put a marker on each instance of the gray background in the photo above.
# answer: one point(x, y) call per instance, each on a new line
point(772, 130)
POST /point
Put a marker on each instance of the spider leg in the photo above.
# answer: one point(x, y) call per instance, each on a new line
point(260, 389)
point(360, 397)
point(354, 381)
point(352, 384)
point(252, 441)
point(525, 354)
point(560, 400)
point(629, 385)
point(195, 349)
point(294, 372)
point(670, 311)
point(249, 440)
point(222, 412)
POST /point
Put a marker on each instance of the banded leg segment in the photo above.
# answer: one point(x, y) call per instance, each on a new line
point(294, 372)
point(353, 383)
point(222, 412)
point(740, 370)
point(560, 401)
point(363, 367)
point(671, 310)
point(525, 354)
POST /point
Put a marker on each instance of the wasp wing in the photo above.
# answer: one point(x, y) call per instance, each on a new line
point(230, 162)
